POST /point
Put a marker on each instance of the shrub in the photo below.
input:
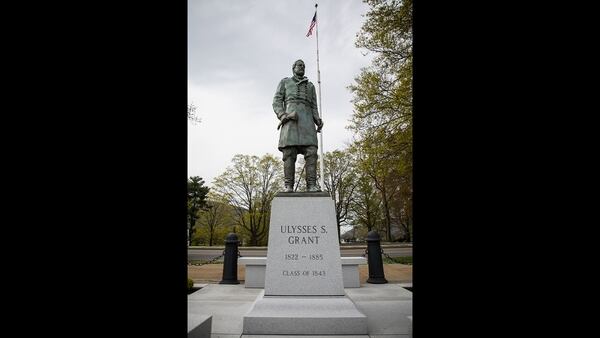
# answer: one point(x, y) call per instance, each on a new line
point(190, 284)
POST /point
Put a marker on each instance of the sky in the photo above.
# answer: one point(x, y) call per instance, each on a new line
point(239, 50)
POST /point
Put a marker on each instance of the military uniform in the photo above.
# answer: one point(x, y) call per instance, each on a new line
point(299, 136)
point(296, 94)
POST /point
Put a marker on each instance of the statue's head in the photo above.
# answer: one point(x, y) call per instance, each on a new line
point(298, 68)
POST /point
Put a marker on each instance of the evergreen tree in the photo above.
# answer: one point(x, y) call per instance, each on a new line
point(196, 201)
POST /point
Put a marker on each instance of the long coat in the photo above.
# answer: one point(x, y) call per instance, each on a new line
point(296, 94)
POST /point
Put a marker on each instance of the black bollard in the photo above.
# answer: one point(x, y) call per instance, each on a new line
point(375, 261)
point(230, 261)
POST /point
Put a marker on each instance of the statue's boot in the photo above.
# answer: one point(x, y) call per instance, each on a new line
point(289, 170)
point(311, 173)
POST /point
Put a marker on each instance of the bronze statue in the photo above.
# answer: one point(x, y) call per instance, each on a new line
point(295, 104)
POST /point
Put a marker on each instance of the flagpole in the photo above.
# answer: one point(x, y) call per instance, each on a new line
point(320, 106)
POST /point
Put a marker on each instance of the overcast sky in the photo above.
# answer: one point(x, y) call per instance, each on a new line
point(239, 50)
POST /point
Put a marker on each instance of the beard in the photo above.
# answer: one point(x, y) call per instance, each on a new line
point(299, 73)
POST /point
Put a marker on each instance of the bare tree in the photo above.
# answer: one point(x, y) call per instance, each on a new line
point(340, 181)
point(249, 186)
point(366, 205)
point(214, 217)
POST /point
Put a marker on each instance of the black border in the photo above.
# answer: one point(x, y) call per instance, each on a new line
point(464, 275)
point(107, 170)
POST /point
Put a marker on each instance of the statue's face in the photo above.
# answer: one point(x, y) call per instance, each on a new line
point(299, 68)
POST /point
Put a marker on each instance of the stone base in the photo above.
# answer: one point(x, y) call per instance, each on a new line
point(306, 315)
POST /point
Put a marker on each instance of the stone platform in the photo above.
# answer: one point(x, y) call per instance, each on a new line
point(316, 315)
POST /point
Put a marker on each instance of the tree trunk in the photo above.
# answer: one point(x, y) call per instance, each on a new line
point(337, 220)
point(388, 219)
point(406, 231)
point(191, 231)
point(369, 222)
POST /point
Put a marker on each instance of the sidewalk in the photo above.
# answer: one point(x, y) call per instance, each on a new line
point(213, 273)
point(388, 308)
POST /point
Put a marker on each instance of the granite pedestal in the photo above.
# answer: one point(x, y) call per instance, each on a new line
point(304, 291)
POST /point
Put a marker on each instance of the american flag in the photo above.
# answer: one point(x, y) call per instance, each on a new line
point(312, 25)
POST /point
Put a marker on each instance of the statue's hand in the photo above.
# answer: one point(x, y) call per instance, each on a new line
point(319, 124)
point(292, 116)
point(284, 119)
point(288, 117)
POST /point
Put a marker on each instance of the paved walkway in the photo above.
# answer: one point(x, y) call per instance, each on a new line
point(388, 308)
point(213, 273)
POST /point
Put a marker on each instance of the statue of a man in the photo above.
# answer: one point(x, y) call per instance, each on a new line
point(295, 104)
